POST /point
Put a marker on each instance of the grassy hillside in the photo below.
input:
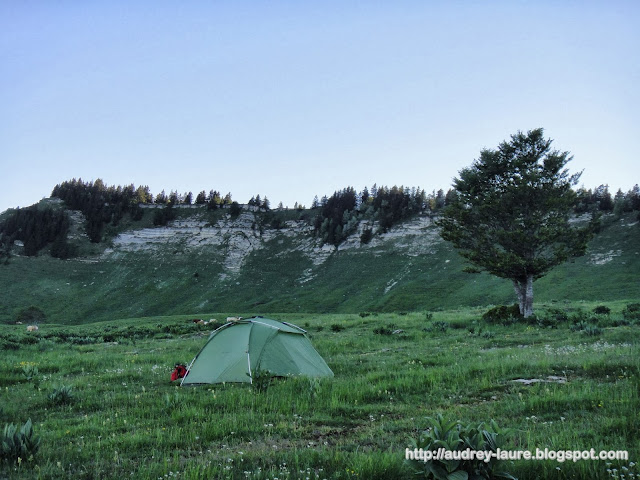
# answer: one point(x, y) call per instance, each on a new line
point(281, 276)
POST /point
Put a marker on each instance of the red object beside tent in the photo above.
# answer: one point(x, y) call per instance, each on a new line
point(179, 372)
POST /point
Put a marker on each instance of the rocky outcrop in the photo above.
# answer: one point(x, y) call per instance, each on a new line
point(237, 238)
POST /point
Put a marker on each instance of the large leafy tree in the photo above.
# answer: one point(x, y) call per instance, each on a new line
point(511, 210)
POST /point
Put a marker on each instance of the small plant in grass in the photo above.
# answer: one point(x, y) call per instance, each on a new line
point(385, 330)
point(336, 327)
point(382, 331)
point(623, 472)
point(552, 318)
point(18, 444)
point(547, 322)
point(632, 311)
point(172, 402)
point(477, 331)
point(438, 326)
point(602, 310)
point(503, 314)
point(587, 328)
point(592, 330)
point(29, 340)
point(429, 316)
point(62, 395)
point(315, 387)
point(30, 373)
point(454, 438)
point(579, 316)
point(9, 344)
point(441, 326)
point(261, 380)
point(579, 326)
point(458, 325)
point(621, 322)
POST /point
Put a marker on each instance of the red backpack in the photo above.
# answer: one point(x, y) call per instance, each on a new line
point(179, 372)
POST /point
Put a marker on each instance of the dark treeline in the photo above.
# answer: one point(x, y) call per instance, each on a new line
point(100, 204)
point(337, 216)
point(601, 200)
point(259, 202)
point(36, 227)
point(103, 204)
point(341, 213)
point(212, 200)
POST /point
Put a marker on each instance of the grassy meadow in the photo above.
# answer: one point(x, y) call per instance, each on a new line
point(123, 418)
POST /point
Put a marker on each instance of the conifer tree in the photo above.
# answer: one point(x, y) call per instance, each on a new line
point(201, 198)
point(161, 198)
point(511, 213)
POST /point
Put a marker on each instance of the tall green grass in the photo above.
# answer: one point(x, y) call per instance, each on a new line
point(125, 418)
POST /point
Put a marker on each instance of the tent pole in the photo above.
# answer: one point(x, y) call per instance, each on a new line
point(188, 369)
point(249, 364)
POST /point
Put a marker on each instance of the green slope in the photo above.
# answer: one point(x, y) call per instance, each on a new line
point(280, 277)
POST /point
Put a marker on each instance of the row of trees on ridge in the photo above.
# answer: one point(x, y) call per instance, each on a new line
point(335, 218)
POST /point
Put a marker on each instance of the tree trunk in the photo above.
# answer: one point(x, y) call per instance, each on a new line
point(524, 291)
point(520, 294)
point(528, 300)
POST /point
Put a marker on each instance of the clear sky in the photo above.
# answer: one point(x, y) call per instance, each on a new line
point(292, 99)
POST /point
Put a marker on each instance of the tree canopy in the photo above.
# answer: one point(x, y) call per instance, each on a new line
point(36, 227)
point(510, 215)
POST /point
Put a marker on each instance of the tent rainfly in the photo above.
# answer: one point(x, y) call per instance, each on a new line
point(239, 349)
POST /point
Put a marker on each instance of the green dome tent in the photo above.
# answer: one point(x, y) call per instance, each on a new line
point(235, 351)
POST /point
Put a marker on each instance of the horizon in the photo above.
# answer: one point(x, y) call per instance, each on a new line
point(273, 205)
point(290, 101)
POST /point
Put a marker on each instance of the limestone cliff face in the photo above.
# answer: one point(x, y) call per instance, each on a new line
point(237, 238)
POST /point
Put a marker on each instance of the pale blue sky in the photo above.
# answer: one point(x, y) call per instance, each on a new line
point(293, 99)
